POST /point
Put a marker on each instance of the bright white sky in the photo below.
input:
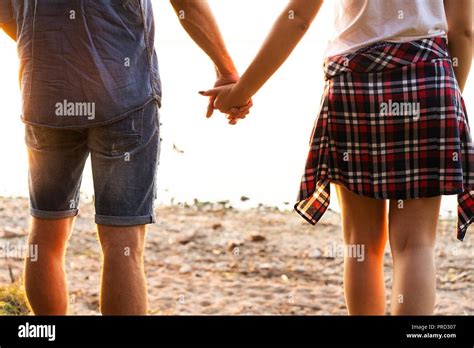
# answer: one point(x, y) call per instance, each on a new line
point(262, 158)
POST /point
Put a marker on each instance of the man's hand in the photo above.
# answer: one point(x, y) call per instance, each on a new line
point(227, 100)
point(197, 19)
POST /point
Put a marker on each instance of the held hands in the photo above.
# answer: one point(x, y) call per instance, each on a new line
point(226, 99)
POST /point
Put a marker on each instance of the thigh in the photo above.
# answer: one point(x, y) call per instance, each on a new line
point(124, 158)
point(364, 219)
point(413, 222)
point(56, 159)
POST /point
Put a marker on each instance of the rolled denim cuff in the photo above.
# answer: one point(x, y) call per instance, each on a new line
point(125, 220)
point(53, 215)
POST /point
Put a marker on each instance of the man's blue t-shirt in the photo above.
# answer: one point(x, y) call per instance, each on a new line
point(85, 62)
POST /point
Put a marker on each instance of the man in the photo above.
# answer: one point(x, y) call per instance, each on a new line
point(90, 86)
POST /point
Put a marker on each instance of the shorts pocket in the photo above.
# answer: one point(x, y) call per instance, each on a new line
point(38, 137)
point(120, 137)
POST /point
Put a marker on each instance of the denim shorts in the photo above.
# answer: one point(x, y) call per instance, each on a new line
point(124, 158)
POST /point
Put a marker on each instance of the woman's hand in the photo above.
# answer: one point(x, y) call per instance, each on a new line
point(221, 80)
point(227, 100)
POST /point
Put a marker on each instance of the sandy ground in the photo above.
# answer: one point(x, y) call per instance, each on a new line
point(210, 260)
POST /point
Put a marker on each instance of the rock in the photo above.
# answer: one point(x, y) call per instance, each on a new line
point(221, 266)
point(265, 266)
point(234, 244)
point(299, 269)
point(173, 260)
point(256, 237)
point(185, 269)
point(13, 232)
point(199, 274)
point(185, 239)
point(315, 254)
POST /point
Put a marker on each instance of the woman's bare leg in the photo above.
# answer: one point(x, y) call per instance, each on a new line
point(364, 224)
point(412, 233)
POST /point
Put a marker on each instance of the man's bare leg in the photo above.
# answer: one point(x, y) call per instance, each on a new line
point(124, 290)
point(45, 278)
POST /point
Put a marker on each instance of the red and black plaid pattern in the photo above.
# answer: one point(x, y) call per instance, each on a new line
point(392, 125)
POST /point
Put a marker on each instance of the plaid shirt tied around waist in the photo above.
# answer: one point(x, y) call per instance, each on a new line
point(392, 125)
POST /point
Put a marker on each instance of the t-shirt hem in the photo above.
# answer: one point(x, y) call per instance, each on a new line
point(333, 53)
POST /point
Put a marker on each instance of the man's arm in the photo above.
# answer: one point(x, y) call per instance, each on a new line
point(459, 16)
point(197, 19)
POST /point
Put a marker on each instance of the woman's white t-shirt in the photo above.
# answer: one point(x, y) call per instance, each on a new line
point(359, 23)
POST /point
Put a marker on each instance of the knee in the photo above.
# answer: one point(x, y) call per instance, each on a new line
point(122, 243)
point(50, 236)
point(412, 243)
point(371, 245)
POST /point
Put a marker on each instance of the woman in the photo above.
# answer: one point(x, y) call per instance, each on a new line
point(392, 126)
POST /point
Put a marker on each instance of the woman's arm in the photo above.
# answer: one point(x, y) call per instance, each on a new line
point(459, 16)
point(286, 33)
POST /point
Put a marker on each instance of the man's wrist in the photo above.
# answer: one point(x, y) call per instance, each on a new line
point(227, 69)
point(226, 77)
point(227, 73)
